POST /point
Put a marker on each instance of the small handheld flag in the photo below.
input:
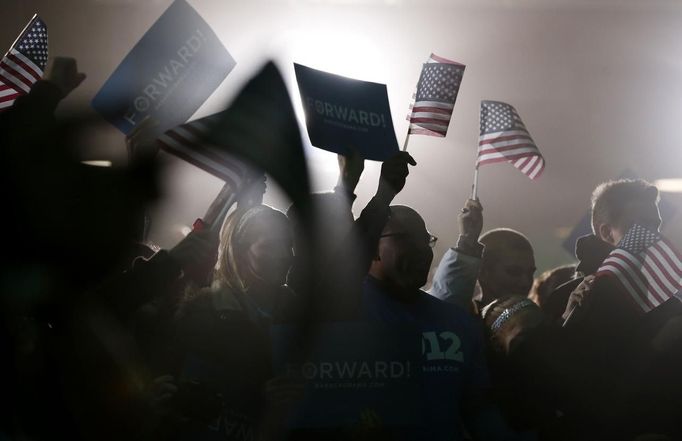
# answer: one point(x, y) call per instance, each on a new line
point(435, 98)
point(24, 63)
point(189, 142)
point(504, 138)
point(646, 266)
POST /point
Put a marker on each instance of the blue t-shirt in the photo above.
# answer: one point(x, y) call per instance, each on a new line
point(452, 354)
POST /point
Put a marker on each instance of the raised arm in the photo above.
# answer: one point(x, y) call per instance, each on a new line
point(455, 277)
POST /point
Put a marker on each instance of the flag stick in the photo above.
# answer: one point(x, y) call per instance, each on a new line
point(22, 33)
point(407, 140)
point(474, 188)
point(570, 314)
point(218, 222)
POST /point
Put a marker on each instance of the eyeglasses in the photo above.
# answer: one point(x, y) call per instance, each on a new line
point(431, 238)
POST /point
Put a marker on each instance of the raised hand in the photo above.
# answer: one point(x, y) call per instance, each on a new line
point(394, 172)
point(470, 221)
point(350, 170)
point(579, 298)
point(63, 73)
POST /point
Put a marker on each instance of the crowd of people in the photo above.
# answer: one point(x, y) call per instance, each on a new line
point(103, 336)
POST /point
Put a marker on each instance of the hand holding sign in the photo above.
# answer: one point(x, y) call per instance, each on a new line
point(350, 170)
point(393, 175)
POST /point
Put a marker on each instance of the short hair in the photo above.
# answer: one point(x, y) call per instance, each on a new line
point(402, 214)
point(547, 282)
point(610, 198)
point(502, 238)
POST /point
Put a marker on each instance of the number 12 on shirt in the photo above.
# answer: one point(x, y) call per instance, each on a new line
point(443, 346)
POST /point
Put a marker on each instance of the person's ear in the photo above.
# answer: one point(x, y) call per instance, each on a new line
point(606, 233)
point(483, 272)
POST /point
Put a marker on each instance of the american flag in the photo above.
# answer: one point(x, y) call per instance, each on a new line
point(504, 138)
point(188, 142)
point(24, 63)
point(646, 266)
point(435, 98)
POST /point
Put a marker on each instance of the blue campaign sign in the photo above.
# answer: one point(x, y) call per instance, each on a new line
point(344, 114)
point(169, 73)
point(354, 371)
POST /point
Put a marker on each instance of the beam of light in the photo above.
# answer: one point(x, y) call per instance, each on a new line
point(184, 229)
point(669, 185)
point(352, 54)
point(97, 163)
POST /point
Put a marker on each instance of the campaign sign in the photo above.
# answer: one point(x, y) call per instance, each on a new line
point(169, 73)
point(354, 371)
point(344, 114)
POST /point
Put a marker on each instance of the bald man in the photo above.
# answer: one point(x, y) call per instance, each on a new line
point(454, 374)
point(508, 265)
point(505, 268)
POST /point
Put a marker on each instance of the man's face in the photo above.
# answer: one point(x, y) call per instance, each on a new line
point(405, 254)
point(642, 212)
point(509, 274)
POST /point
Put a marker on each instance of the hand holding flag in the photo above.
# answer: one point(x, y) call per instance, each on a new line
point(189, 141)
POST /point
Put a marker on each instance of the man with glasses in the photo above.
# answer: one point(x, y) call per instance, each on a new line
point(453, 372)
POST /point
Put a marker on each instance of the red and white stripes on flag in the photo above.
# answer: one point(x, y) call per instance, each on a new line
point(647, 267)
point(24, 63)
point(504, 138)
point(7, 95)
point(435, 98)
point(188, 142)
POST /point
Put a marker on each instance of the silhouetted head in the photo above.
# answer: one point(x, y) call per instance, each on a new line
point(256, 248)
point(508, 264)
point(618, 205)
point(404, 254)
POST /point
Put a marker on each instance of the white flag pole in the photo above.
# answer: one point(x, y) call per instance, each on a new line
point(568, 317)
point(474, 188)
point(30, 22)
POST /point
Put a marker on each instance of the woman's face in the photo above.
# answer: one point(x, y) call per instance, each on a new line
point(269, 255)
